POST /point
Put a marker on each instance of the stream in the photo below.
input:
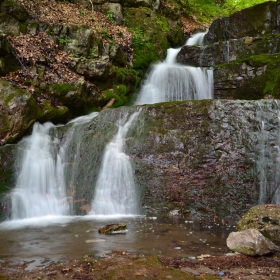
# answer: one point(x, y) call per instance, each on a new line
point(40, 241)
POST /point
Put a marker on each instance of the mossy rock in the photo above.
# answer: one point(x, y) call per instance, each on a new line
point(254, 22)
point(18, 111)
point(110, 229)
point(117, 96)
point(265, 218)
point(56, 114)
point(252, 78)
point(128, 77)
point(14, 9)
point(149, 36)
point(9, 25)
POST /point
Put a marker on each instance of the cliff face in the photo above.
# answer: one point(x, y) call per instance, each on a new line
point(197, 157)
point(244, 51)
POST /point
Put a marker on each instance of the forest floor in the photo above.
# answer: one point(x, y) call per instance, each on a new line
point(125, 265)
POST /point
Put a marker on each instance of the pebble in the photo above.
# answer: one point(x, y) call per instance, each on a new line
point(177, 248)
point(95, 240)
point(230, 254)
point(201, 257)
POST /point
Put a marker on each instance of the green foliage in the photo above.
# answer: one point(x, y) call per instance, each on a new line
point(162, 21)
point(23, 28)
point(232, 6)
point(119, 94)
point(111, 17)
point(63, 41)
point(75, 55)
point(82, 12)
point(138, 37)
point(205, 11)
point(92, 54)
point(105, 34)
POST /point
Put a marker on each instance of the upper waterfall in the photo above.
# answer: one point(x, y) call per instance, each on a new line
point(170, 81)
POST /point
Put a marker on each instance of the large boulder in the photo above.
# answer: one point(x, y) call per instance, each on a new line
point(265, 218)
point(257, 21)
point(251, 242)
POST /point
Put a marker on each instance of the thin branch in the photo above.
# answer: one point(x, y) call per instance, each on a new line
point(91, 5)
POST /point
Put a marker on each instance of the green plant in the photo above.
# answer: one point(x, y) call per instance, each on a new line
point(138, 37)
point(105, 34)
point(92, 54)
point(63, 41)
point(82, 12)
point(111, 17)
point(74, 55)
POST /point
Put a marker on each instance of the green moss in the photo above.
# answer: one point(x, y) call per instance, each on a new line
point(55, 114)
point(15, 93)
point(149, 36)
point(119, 94)
point(23, 28)
point(63, 89)
point(9, 98)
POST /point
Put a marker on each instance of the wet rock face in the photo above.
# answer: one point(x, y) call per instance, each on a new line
point(188, 155)
point(7, 178)
point(228, 51)
point(264, 218)
point(243, 50)
point(195, 157)
point(251, 242)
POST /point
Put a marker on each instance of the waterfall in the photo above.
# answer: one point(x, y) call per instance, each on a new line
point(115, 191)
point(268, 164)
point(170, 81)
point(41, 183)
point(40, 188)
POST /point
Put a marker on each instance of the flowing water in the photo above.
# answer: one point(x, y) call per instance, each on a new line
point(42, 227)
point(40, 188)
point(115, 191)
point(170, 81)
point(41, 183)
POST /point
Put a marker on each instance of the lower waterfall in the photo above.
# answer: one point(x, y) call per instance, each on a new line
point(115, 191)
point(40, 188)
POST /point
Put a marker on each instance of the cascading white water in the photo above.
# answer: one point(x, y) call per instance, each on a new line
point(40, 188)
point(115, 191)
point(170, 81)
